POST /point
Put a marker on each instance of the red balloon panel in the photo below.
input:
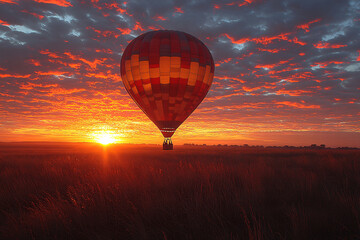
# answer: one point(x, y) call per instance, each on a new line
point(168, 74)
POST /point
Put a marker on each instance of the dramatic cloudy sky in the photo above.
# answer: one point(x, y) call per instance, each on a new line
point(287, 72)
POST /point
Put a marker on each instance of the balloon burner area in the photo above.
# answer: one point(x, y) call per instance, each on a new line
point(167, 144)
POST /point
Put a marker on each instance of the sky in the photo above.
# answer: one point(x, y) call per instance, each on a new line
point(287, 72)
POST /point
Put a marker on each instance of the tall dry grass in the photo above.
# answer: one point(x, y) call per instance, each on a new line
point(123, 192)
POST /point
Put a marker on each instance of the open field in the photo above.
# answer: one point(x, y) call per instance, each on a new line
point(86, 191)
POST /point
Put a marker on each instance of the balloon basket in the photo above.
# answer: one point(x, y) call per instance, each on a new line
point(167, 144)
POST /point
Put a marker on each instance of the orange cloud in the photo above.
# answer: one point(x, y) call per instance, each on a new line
point(324, 64)
point(248, 89)
point(230, 78)
point(266, 65)
point(304, 75)
point(297, 77)
point(215, 98)
point(63, 91)
point(113, 5)
point(108, 75)
point(155, 28)
point(218, 63)
point(4, 23)
point(178, 10)
point(97, 75)
point(92, 64)
point(258, 105)
point(34, 14)
point(61, 3)
point(6, 75)
point(50, 73)
point(34, 62)
point(271, 65)
point(283, 70)
point(159, 18)
point(240, 3)
point(296, 40)
point(50, 54)
point(9, 1)
point(29, 85)
point(125, 31)
point(109, 51)
point(240, 41)
point(106, 33)
point(138, 27)
point(72, 65)
point(265, 40)
point(302, 54)
point(296, 105)
point(270, 50)
point(293, 92)
point(358, 59)
point(305, 26)
point(245, 55)
point(216, 6)
point(328, 45)
point(121, 10)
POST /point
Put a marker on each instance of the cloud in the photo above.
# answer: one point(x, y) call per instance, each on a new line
point(13, 75)
point(9, 1)
point(4, 23)
point(178, 10)
point(62, 3)
point(125, 31)
point(160, 18)
point(328, 45)
point(296, 105)
point(306, 26)
point(34, 14)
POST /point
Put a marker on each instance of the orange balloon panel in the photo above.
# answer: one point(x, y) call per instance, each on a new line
point(168, 74)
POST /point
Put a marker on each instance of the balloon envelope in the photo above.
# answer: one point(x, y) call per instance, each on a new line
point(168, 74)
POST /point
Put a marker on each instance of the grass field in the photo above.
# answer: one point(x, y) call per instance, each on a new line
point(86, 191)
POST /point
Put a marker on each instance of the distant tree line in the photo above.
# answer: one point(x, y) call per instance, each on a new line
point(312, 146)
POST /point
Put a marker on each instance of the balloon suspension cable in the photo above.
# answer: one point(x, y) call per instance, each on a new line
point(167, 144)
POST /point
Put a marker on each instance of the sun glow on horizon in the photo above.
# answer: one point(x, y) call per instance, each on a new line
point(105, 137)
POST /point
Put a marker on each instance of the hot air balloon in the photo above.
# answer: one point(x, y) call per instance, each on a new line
point(168, 74)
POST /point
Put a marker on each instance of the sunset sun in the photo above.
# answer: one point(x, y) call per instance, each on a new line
point(105, 138)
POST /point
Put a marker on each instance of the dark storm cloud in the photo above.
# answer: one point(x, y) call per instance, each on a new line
point(282, 59)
